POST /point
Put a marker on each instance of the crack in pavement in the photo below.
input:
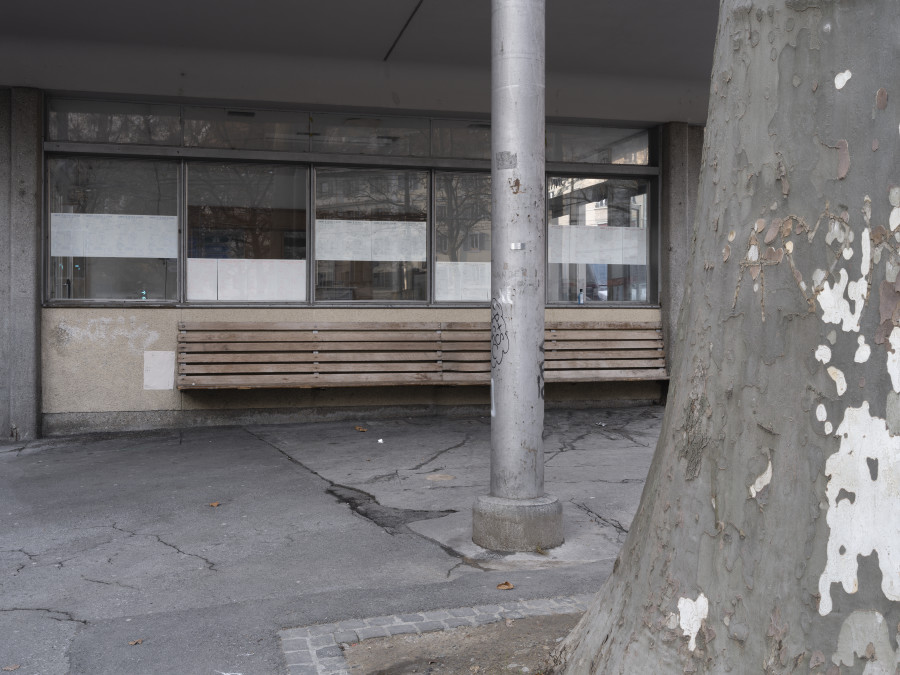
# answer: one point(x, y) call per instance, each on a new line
point(210, 565)
point(67, 616)
point(391, 519)
point(611, 522)
point(110, 583)
point(431, 459)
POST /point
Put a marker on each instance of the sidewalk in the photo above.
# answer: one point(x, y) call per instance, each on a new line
point(110, 540)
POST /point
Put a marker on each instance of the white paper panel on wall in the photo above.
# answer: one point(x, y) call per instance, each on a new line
point(108, 235)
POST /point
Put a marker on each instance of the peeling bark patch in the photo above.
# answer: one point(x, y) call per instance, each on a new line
point(696, 436)
point(843, 148)
point(762, 481)
point(691, 614)
point(839, 380)
point(863, 351)
point(893, 359)
point(865, 634)
point(871, 523)
point(823, 353)
point(881, 98)
point(841, 79)
point(836, 309)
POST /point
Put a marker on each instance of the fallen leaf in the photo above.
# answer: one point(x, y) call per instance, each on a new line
point(505, 586)
point(11, 668)
point(439, 476)
point(136, 642)
point(540, 551)
point(509, 622)
point(358, 428)
point(215, 504)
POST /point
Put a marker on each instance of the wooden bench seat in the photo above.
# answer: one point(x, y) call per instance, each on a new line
point(234, 355)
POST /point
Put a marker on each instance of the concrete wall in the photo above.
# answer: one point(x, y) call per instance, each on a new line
point(94, 372)
point(21, 120)
point(680, 160)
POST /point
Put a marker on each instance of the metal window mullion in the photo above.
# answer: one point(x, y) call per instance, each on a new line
point(181, 275)
point(311, 235)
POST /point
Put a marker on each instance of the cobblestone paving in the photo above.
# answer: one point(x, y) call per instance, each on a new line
point(316, 650)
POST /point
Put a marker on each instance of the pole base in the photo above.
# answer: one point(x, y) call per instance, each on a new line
point(500, 524)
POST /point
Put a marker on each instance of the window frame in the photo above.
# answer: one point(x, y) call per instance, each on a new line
point(311, 162)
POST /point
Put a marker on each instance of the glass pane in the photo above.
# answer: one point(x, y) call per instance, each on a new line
point(113, 229)
point(78, 121)
point(462, 218)
point(597, 240)
point(358, 134)
point(246, 233)
point(371, 234)
point(246, 129)
point(597, 145)
point(464, 139)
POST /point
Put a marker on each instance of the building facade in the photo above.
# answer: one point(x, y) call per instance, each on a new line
point(315, 163)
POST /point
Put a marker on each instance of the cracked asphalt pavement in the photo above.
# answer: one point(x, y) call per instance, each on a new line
point(111, 540)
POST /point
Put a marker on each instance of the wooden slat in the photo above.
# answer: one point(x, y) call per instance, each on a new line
point(380, 367)
point(601, 344)
point(305, 346)
point(618, 325)
point(604, 375)
point(276, 381)
point(596, 364)
point(552, 355)
point(466, 367)
point(307, 325)
point(305, 336)
point(304, 357)
point(600, 334)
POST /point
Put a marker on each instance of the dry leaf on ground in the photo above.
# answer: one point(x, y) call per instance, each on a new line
point(505, 586)
point(215, 504)
point(11, 668)
point(360, 428)
point(136, 642)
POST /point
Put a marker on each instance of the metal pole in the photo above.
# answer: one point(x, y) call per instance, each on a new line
point(517, 515)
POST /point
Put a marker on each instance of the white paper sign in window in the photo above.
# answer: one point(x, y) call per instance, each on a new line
point(370, 240)
point(110, 235)
point(246, 280)
point(597, 245)
point(462, 281)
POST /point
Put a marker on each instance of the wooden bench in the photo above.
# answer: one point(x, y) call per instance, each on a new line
point(260, 354)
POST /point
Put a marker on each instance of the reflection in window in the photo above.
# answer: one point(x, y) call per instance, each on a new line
point(597, 239)
point(246, 232)
point(462, 267)
point(113, 229)
point(461, 138)
point(371, 234)
point(597, 145)
point(365, 135)
point(78, 121)
point(246, 129)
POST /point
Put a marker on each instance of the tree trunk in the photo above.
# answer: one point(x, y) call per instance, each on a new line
point(768, 535)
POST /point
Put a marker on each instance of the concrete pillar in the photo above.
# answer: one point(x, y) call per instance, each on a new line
point(21, 122)
point(517, 515)
point(680, 158)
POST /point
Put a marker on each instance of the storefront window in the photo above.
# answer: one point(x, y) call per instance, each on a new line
point(246, 232)
point(371, 234)
point(597, 240)
point(79, 121)
point(113, 229)
point(597, 145)
point(236, 128)
point(462, 266)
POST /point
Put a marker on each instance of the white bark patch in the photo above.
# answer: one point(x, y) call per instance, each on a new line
point(863, 512)
point(753, 253)
point(841, 79)
point(828, 428)
point(839, 380)
point(894, 218)
point(823, 353)
point(865, 243)
point(893, 359)
point(863, 351)
point(835, 308)
point(691, 614)
point(821, 413)
point(762, 481)
point(894, 196)
point(858, 631)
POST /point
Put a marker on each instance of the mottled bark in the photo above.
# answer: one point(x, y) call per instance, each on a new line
point(768, 535)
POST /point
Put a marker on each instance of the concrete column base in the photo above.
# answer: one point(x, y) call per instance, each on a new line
point(500, 524)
